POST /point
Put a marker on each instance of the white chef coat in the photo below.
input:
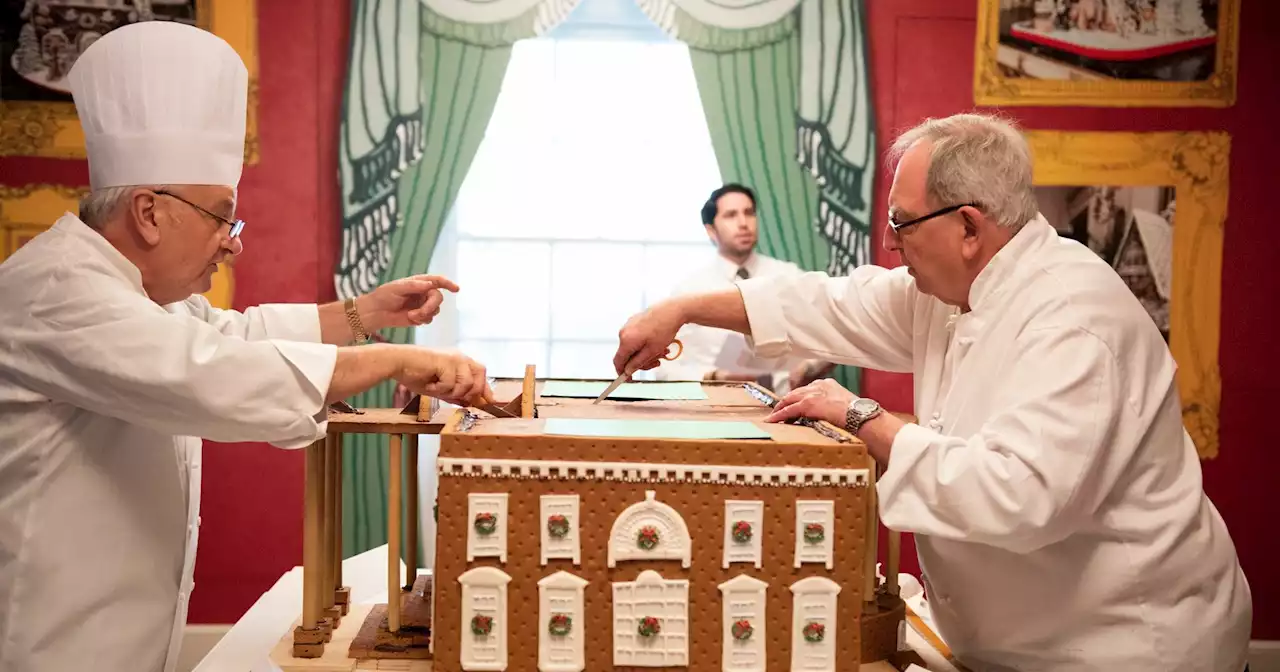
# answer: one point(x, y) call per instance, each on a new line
point(1056, 499)
point(702, 345)
point(102, 392)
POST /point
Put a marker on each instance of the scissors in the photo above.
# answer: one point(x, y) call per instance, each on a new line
point(619, 380)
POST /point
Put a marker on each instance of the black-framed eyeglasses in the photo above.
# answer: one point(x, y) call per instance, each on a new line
point(236, 227)
point(898, 226)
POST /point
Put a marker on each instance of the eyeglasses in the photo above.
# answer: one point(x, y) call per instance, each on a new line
point(898, 226)
point(236, 227)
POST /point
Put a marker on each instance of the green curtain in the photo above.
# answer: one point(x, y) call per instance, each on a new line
point(787, 103)
point(396, 200)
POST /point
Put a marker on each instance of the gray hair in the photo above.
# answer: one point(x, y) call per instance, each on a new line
point(98, 206)
point(979, 159)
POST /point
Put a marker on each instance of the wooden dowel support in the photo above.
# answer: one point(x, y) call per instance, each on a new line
point(895, 553)
point(393, 536)
point(311, 559)
point(323, 590)
point(411, 512)
point(527, 391)
point(873, 539)
point(337, 511)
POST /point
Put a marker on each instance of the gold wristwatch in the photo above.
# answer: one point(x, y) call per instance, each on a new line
point(353, 319)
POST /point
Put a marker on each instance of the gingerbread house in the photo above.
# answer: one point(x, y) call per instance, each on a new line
point(671, 531)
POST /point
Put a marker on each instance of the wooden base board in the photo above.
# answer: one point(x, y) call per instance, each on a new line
point(335, 658)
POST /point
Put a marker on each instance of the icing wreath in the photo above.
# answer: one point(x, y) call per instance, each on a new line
point(560, 624)
point(557, 526)
point(814, 532)
point(647, 538)
point(814, 632)
point(742, 630)
point(486, 523)
point(481, 625)
point(649, 627)
point(742, 531)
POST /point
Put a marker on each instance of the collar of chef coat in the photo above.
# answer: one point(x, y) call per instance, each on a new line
point(71, 225)
point(730, 269)
point(1001, 272)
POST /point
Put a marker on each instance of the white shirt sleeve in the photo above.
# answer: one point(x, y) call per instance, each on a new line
point(1035, 471)
point(864, 319)
point(118, 354)
point(290, 322)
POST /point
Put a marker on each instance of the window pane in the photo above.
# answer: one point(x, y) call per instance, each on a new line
point(503, 289)
point(583, 359)
point(595, 287)
point(507, 359)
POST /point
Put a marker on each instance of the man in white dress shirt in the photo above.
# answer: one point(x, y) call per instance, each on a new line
point(729, 217)
point(1055, 496)
point(112, 366)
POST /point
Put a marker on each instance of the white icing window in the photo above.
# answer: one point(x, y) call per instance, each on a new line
point(743, 613)
point(743, 529)
point(813, 624)
point(815, 532)
point(487, 529)
point(650, 530)
point(560, 528)
point(484, 618)
point(561, 623)
point(651, 621)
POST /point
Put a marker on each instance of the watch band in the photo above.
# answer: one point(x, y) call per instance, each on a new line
point(353, 319)
point(855, 419)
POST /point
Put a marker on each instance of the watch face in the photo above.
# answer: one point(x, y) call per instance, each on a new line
point(865, 406)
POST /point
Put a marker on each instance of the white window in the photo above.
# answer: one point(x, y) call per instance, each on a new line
point(650, 530)
point(651, 622)
point(484, 618)
point(581, 206)
point(813, 624)
point(560, 528)
point(561, 623)
point(743, 532)
point(744, 618)
point(487, 527)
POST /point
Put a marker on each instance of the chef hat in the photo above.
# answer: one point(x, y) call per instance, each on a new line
point(161, 102)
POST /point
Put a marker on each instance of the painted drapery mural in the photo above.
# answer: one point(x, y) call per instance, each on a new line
point(783, 84)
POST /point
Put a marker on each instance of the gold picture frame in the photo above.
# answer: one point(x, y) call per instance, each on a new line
point(28, 210)
point(1195, 164)
point(1073, 85)
point(51, 129)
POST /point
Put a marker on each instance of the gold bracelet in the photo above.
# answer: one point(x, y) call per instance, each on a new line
point(353, 319)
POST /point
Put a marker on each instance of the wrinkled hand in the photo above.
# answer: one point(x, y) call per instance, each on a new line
point(448, 376)
point(820, 400)
point(407, 302)
point(646, 337)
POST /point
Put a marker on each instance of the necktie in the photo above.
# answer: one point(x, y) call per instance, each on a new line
point(742, 273)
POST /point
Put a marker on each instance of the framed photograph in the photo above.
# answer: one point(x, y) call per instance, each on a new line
point(1153, 205)
point(28, 210)
point(41, 39)
point(1107, 53)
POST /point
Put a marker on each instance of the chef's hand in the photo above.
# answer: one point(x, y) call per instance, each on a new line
point(646, 337)
point(819, 400)
point(445, 375)
point(407, 302)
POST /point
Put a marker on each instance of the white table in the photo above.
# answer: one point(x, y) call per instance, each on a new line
point(247, 645)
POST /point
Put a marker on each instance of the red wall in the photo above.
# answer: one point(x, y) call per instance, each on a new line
point(921, 56)
point(922, 66)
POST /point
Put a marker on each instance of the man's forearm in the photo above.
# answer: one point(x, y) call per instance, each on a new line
point(360, 368)
point(878, 433)
point(720, 310)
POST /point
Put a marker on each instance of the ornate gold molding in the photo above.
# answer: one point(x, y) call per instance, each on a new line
point(991, 87)
point(28, 210)
point(1196, 165)
point(51, 129)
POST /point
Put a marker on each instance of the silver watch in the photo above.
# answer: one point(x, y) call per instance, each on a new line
point(858, 413)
